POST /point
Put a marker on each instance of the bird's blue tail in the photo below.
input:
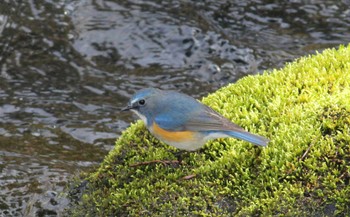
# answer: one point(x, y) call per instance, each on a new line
point(255, 139)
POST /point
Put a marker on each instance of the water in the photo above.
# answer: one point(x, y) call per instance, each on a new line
point(68, 67)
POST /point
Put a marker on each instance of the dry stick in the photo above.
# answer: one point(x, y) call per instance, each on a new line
point(307, 151)
point(189, 177)
point(164, 162)
point(342, 175)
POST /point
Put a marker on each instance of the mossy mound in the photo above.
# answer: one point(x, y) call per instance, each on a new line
point(305, 170)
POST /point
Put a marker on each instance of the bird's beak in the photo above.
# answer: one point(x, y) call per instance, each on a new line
point(127, 108)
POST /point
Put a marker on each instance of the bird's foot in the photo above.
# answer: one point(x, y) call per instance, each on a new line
point(181, 154)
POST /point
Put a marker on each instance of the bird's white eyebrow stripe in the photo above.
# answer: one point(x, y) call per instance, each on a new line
point(134, 101)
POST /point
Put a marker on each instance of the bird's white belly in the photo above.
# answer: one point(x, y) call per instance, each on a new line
point(188, 145)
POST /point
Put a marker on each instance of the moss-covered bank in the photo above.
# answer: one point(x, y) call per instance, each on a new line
point(304, 109)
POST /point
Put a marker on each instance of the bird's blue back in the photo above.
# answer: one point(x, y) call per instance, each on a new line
point(175, 111)
point(169, 109)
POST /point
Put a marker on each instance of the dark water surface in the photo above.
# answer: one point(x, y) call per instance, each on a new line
point(67, 67)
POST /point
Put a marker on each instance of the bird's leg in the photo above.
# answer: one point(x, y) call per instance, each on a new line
point(180, 155)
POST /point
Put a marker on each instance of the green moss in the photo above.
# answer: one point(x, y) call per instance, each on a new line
point(305, 170)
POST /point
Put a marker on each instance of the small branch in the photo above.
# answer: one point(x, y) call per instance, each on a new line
point(189, 177)
point(164, 162)
point(306, 152)
point(344, 174)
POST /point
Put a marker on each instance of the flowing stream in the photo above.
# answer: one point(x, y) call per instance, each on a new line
point(68, 67)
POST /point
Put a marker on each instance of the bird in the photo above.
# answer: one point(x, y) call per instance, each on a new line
point(182, 121)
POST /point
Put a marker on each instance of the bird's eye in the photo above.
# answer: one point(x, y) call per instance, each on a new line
point(142, 102)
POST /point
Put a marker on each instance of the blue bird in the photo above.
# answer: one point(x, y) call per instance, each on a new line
point(182, 121)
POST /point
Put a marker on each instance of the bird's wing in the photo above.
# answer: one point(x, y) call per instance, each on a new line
point(203, 119)
point(171, 121)
point(208, 120)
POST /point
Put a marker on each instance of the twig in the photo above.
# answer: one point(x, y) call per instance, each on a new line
point(189, 177)
point(306, 152)
point(164, 162)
